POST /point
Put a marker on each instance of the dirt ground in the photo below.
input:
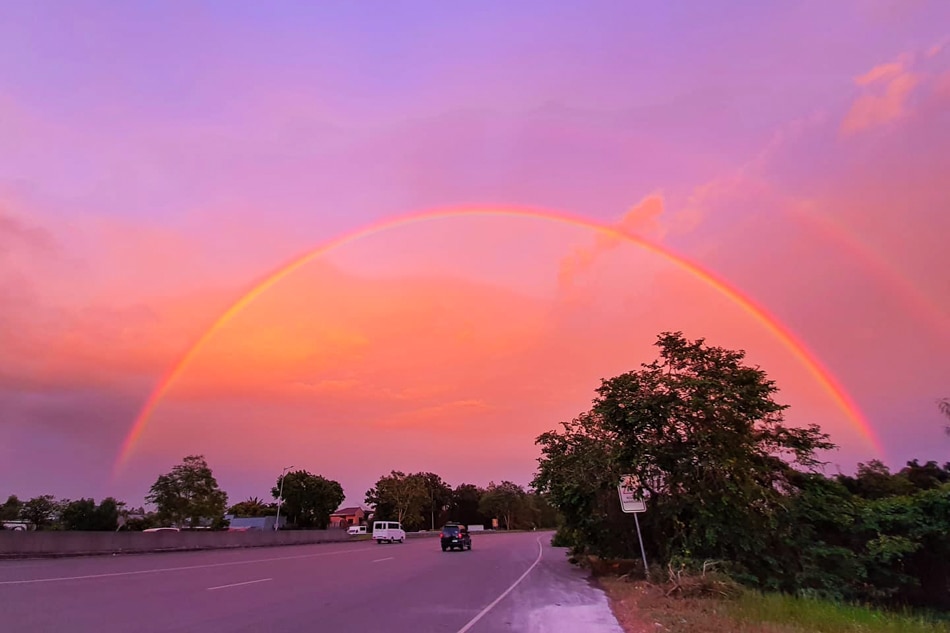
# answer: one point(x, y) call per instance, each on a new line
point(644, 608)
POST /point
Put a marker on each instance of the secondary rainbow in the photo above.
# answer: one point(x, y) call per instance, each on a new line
point(918, 303)
point(769, 321)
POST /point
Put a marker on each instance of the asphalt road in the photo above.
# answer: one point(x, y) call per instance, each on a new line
point(508, 582)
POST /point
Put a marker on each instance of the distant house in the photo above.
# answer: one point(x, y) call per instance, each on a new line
point(345, 517)
point(253, 523)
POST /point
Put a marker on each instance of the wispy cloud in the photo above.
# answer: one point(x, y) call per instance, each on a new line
point(886, 92)
point(643, 218)
point(881, 104)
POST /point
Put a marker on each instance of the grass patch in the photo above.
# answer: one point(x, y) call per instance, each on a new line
point(805, 614)
point(643, 607)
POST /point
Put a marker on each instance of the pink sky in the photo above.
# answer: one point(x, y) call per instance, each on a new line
point(800, 153)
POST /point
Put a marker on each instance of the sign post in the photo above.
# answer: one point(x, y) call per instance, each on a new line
point(631, 504)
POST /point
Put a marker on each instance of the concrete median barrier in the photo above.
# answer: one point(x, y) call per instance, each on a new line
point(50, 544)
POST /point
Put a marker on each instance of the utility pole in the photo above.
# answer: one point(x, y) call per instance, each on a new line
point(280, 497)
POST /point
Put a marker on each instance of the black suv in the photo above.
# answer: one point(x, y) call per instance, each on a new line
point(455, 535)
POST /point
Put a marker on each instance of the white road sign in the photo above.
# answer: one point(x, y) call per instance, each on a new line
point(629, 502)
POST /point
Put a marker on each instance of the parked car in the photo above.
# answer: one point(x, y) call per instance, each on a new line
point(455, 535)
point(356, 530)
point(388, 532)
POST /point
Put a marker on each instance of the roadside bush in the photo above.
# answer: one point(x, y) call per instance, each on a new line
point(564, 537)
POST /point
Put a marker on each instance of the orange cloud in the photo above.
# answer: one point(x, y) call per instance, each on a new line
point(885, 91)
point(403, 340)
point(642, 219)
point(871, 110)
point(85, 307)
point(883, 72)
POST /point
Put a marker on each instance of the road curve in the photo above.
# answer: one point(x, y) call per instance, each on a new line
point(508, 582)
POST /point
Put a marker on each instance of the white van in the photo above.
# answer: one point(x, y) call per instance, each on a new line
point(388, 531)
point(18, 526)
point(356, 530)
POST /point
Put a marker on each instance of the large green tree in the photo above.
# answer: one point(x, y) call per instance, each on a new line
point(308, 499)
point(400, 497)
point(703, 435)
point(188, 495)
point(508, 502)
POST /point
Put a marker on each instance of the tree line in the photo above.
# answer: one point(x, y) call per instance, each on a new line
point(418, 501)
point(45, 512)
point(726, 480)
point(189, 497)
point(424, 501)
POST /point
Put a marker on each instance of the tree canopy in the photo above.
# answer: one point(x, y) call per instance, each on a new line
point(400, 497)
point(188, 495)
point(308, 499)
point(701, 432)
point(41, 511)
point(508, 502)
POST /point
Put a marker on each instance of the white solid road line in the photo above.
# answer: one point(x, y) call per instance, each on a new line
point(186, 568)
point(379, 560)
point(485, 611)
point(239, 584)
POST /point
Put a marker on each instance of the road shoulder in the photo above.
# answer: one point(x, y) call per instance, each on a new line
point(556, 597)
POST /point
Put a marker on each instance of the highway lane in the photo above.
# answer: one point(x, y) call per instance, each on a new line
point(397, 588)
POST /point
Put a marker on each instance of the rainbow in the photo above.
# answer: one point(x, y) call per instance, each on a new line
point(769, 321)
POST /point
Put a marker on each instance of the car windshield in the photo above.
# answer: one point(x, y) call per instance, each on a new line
point(451, 529)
